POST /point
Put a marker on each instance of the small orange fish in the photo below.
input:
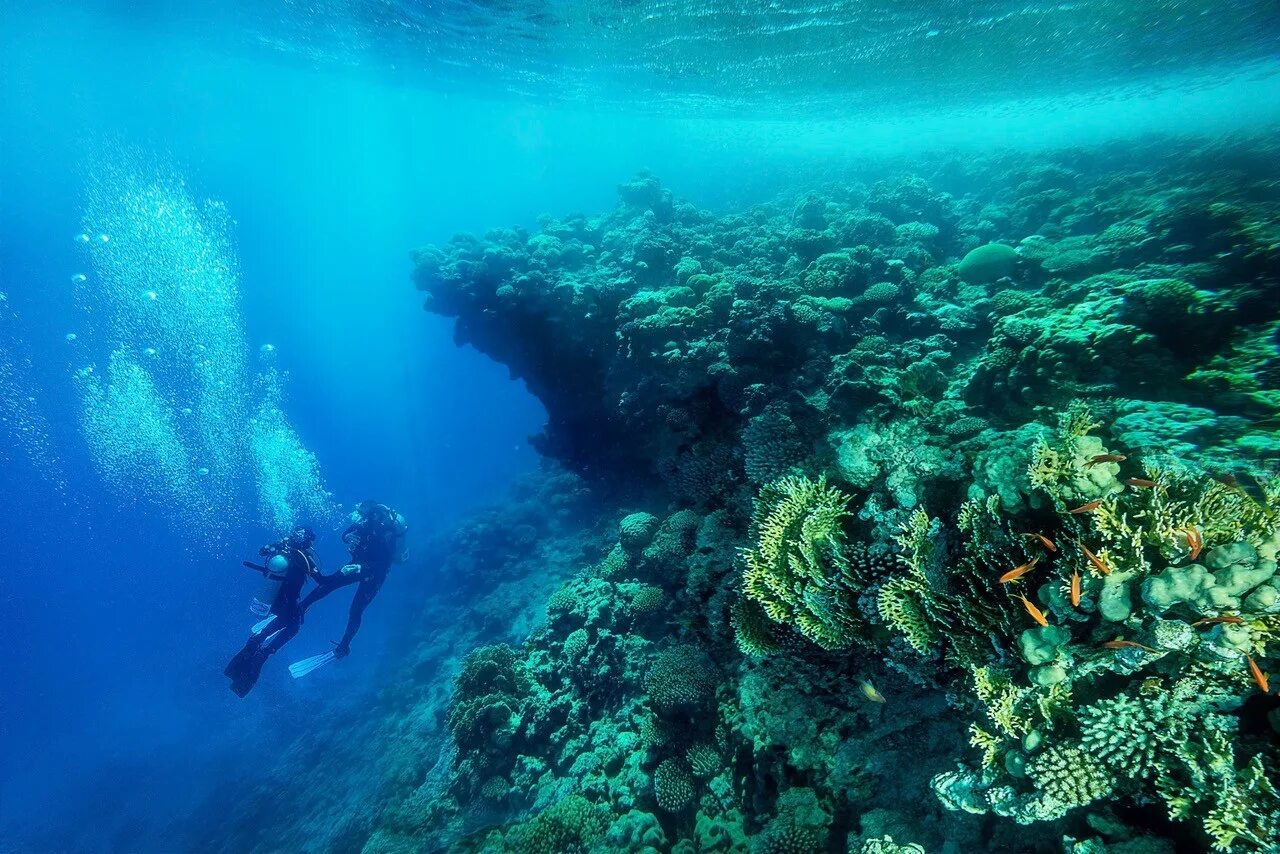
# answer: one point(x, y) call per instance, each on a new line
point(1088, 508)
point(1097, 562)
point(1195, 542)
point(1128, 644)
point(1229, 619)
point(869, 691)
point(1075, 588)
point(1015, 574)
point(1036, 613)
point(1106, 458)
point(1044, 541)
point(1258, 676)
point(1141, 483)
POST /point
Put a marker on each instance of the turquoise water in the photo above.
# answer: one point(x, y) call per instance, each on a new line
point(832, 427)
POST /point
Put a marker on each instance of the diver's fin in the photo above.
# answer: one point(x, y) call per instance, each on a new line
point(245, 669)
point(301, 668)
point(261, 626)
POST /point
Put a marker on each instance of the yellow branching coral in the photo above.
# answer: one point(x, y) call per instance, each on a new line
point(900, 605)
point(1008, 705)
point(988, 743)
point(799, 570)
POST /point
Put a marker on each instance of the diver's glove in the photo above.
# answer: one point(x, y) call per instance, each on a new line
point(342, 650)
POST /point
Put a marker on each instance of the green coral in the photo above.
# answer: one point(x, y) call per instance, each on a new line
point(681, 678)
point(646, 599)
point(799, 571)
point(570, 825)
point(704, 760)
point(575, 645)
point(752, 629)
point(673, 787)
point(1131, 735)
point(637, 531)
point(1068, 777)
point(886, 845)
point(800, 827)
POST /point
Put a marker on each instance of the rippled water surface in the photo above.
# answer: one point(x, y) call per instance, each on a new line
point(779, 56)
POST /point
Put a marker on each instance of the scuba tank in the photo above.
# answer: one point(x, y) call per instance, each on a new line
point(273, 576)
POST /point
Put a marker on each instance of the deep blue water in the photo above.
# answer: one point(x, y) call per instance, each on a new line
point(117, 616)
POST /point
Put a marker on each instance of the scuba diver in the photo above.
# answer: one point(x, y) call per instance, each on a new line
point(376, 538)
point(290, 563)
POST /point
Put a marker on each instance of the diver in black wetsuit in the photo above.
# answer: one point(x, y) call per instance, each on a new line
point(290, 563)
point(376, 538)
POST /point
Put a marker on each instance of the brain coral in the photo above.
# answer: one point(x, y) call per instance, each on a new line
point(987, 263)
point(636, 531)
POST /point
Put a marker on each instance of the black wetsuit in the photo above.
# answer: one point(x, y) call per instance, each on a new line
point(245, 667)
point(374, 556)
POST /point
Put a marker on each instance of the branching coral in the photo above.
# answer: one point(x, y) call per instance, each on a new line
point(799, 571)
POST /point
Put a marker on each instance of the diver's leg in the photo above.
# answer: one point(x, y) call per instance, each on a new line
point(238, 661)
point(292, 623)
point(246, 667)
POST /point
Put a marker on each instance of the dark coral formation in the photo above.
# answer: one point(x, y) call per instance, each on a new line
point(943, 506)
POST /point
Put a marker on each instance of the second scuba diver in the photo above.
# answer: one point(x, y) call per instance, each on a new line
point(376, 538)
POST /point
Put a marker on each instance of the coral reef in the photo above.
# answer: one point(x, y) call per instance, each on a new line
point(938, 511)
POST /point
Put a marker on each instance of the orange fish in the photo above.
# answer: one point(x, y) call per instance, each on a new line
point(1195, 542)
point(1088, 508)
point(1141, 483)
point(1127, 644)
point(1094, 559)
point(1075, 588)
point(1106, 458)
point(1258, 676)
point(1044, 541)
point(1015, 574)
point(1229, 619)
point(1036, 613)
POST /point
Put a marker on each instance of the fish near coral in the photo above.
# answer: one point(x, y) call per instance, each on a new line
point(1229, 619)
point(869, 691)
point(1017, 572)
point(1141, 483)
point(1119, 643)
point(1259, 678)
point(1097, 562)
point(1195, 542)
point(1036, 613)
point(1087, 508)
point(1043, 540)
point(1105, 458)
point(1075, 588)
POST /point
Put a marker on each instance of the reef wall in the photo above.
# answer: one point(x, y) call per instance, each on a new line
point(941, 509)
point(992, 440)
